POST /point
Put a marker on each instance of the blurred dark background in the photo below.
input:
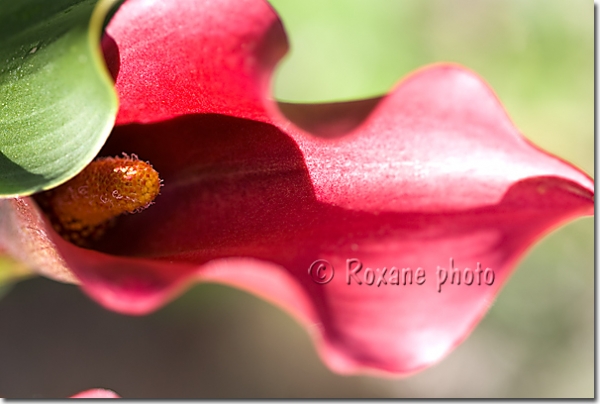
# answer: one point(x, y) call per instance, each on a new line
point(536, 341)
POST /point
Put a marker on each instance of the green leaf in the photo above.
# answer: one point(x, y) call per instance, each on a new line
point(11, 271)
point(57, 100)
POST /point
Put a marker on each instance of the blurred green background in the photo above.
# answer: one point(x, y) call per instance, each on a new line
point(536, 341)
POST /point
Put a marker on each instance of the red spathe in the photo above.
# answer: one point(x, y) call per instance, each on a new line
point(436, 172)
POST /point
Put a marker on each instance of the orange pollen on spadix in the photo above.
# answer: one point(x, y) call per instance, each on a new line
point(82, 208)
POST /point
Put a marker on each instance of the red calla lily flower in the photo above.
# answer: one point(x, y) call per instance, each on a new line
point(96, 393)
point(434, 178)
